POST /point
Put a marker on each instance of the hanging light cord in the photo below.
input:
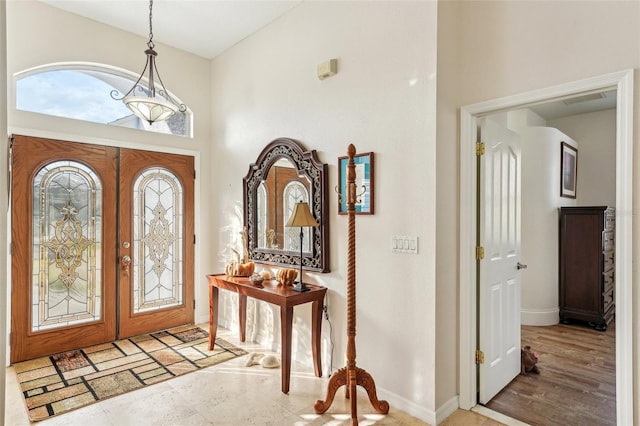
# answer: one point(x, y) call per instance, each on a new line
point(150, 42)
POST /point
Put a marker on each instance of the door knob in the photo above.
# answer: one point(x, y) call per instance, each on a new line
point(521, 266)
point(126, 261)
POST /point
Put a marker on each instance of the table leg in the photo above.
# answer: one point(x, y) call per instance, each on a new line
point(242, 312)
point(316, 330)
point(286, 328)
point(213, 315)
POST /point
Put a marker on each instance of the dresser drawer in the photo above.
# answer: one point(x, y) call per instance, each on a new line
point(609, 278)
point(608, 241)
point(608, 299)
point(609, 220)
point(609, 260)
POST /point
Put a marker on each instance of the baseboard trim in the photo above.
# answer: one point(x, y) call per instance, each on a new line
point(540, 317)
point(400, 403)
point(447, 409)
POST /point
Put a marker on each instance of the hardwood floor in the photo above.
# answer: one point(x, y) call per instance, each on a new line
point(576, 384)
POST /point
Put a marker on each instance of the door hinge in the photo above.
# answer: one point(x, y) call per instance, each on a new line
point(194, 303)
point(479, 252)
point(479, 357)
point(479, 148)
point(194, 238)
point(194, 174)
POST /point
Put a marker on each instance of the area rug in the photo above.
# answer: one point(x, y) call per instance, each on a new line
point(59, 383)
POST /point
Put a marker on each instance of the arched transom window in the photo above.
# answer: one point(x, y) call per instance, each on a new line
point(82, 92)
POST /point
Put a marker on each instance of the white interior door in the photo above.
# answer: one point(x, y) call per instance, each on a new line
point(499, 281)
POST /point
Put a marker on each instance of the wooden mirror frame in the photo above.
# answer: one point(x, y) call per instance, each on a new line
point(307, 165)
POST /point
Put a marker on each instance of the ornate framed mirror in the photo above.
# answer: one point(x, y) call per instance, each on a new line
point(284, 174)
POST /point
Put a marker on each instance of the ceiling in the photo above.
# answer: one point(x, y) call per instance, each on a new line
point(203, 27)
point(580, 104)
point(209, 27)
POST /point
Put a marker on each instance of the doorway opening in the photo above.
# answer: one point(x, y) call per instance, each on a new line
point(622, 83)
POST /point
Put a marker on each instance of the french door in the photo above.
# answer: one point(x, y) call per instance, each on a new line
point(102, 244)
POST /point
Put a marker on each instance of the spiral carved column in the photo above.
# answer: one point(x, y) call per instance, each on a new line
point(351, 376)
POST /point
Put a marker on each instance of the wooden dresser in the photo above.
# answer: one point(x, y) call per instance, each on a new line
point(587, 258)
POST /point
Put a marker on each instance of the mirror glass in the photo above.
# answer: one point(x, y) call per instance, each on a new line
point(285, 174)
point(277, 196)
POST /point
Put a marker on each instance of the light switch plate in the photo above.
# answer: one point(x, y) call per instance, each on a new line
point(404, 244)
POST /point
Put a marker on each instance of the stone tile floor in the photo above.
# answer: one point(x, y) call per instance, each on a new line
point(227, 394)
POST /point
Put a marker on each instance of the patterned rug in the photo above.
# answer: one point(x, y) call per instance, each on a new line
point(66, 381)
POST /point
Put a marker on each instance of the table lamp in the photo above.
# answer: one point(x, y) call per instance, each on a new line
point(301, 217)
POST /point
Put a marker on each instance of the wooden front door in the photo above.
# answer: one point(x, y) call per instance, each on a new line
point(72, 205)
point(157, 234)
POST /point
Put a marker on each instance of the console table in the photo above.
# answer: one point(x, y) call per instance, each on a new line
point(286, 298)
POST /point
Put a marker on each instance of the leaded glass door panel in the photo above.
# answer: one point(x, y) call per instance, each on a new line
point(103, 244)
point(156, 241)
point(63, 236)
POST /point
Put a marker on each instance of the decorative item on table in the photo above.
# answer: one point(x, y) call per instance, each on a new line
point(237, 269)
point(286, 276)
point(256, 279)
point(266, 274)
point(301, 217)
point(241, 266)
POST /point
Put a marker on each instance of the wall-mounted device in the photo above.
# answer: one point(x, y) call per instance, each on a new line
point(327, 69)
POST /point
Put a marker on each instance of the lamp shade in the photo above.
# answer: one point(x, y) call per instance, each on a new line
point(150, 109)
point(301, 216)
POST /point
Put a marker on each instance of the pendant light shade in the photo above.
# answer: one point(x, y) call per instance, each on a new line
point(153, 103)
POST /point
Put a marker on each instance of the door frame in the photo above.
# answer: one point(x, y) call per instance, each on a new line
point(622, 81)
point(199, 286)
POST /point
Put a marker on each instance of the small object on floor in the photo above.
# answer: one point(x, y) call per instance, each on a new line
point(270, 361)
point(528, 361)
point(266, 361)
point(254, 359)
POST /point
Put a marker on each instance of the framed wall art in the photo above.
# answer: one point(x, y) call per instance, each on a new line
point(569, 170)
point(364, 183)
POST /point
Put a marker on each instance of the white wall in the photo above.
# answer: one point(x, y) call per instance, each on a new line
point(528, 46)
point(596, 133)
point(540, 203)
point(381, 100)
point(447, 216)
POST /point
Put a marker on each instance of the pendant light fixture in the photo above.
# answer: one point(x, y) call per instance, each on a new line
point(153, 103)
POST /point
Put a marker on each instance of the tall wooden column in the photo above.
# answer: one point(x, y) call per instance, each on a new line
point(351, 376)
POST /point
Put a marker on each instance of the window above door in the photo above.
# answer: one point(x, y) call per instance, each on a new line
point(82, 91)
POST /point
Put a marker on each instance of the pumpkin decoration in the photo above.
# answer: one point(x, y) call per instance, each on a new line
point(286, 276)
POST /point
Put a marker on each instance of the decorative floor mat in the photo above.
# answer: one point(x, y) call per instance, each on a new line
point(62, 382)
